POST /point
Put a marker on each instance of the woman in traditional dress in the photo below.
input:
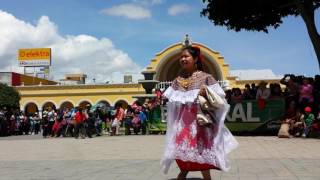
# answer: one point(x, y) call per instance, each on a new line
point(195, 147)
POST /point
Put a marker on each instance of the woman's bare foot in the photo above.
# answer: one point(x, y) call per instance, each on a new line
point(182, 175)
point(206, 175)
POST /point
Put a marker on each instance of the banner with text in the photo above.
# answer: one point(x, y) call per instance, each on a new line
point(34, 57)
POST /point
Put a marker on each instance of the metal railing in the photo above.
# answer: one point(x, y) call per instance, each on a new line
point(165, 84)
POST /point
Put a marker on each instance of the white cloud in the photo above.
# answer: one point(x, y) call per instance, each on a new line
point(178, 9)
point(254, 74)
point(148, 2)
point(98, 58)
point(130, 11)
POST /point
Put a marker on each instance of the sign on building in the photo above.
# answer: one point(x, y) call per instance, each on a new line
point(34, 57)
point(127, 78)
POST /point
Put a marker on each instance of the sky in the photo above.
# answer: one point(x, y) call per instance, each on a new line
point(107, 39)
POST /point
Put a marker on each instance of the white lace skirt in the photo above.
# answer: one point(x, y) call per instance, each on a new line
point(187, 141)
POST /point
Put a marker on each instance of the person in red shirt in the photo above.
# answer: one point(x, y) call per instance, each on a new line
point(118, 119)
point(79, 126)
point(120, 113)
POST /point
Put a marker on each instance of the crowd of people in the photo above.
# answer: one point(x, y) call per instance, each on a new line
point(52, 123)
point(255, 92)
point(302, 102)
point(302, 114)
point(77, 122)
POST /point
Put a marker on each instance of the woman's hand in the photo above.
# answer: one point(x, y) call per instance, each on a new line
point(202, 91)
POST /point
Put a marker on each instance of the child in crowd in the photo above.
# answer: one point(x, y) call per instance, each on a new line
point(315, 127)
point(308, 120)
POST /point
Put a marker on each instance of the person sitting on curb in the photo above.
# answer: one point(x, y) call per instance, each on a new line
point(297, 126)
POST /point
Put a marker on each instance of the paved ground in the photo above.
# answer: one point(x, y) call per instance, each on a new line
point(137, 157)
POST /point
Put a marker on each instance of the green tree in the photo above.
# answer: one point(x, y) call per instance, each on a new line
point(259, 15)
point(9, 97)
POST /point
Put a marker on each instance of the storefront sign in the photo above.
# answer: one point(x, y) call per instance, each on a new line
point(34, 57)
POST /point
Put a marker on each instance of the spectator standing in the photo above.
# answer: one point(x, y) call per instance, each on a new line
point(98, 121)
point(316, 92)
point(26, 124)
point(56, 125)
point(292, 89)
point(247, 95)
point(90, 123)
point(275, 91)
point(36, 119)
point(253, 90)
point(263, 92)
point(136, 122)
point(12, 124)
point(32, 123)
point(306, 94)
point(51, 120)
point(69, 116)
point(128, 120)
point(119, 117)
point(3, 123)
point(143, 119)
point(79, 121)
point(262, 95)
point(45, 124)
point(228, 95)
point(236, 96)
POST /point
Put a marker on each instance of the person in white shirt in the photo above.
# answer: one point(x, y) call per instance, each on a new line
point(263, 92)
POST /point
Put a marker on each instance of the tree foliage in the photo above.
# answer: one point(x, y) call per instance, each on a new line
point(9, 97)
point(255, 15)
point(259, 15)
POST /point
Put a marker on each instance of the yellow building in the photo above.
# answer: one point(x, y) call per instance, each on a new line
point(37, 98)
point(163, 68)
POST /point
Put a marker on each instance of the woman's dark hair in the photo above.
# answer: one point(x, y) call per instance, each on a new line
point(129, 108)
point(195, 53)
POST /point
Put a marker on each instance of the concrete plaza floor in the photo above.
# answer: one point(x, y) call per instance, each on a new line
point(137, 158)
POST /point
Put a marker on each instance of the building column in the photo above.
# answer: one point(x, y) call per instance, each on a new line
point(40, 113)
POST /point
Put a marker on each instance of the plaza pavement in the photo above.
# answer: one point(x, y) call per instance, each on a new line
point(137, 158)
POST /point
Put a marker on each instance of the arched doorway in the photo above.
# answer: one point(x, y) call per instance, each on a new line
point(66, 104)
point(31, 108)
point(103, 103)
point(122, 103)
point(84, 104)
point(169, 66)
point(46, 105)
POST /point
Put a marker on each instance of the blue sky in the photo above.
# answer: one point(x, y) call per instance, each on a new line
point(284, 50)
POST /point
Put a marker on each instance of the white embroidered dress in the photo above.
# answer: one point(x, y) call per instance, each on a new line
point(185, 139)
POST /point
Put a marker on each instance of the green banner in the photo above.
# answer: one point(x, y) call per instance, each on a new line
point(247, 116)
point(251, 115)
